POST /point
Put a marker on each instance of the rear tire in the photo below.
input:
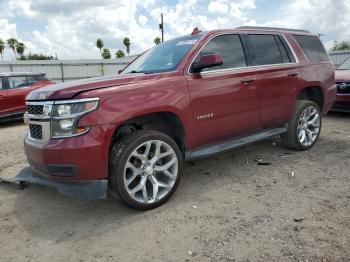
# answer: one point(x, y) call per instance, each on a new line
point(305, 126)
point(145, 168)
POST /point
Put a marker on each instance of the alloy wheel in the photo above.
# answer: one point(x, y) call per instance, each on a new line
point(150, 171)
point(309, 126)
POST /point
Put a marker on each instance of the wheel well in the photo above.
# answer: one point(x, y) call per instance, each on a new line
point(313, 93)
point(164, 122)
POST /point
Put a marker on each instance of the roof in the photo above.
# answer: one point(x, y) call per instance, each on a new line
point(264, 28)
point(20, 74)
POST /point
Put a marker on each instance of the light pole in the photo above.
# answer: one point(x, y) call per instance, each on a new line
point(161, 26)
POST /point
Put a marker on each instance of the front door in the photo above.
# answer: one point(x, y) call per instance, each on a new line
point(16, 93)
point(3, 93)
point(224, 99)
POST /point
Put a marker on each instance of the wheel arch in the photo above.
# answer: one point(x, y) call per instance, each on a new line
point(312, 93)
point(166, 122)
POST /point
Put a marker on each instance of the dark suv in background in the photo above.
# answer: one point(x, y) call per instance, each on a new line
point(14, 87)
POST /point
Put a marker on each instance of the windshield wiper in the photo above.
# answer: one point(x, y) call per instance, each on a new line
point(139, 72)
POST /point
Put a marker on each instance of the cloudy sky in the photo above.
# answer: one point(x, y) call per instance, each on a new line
point(69, 28)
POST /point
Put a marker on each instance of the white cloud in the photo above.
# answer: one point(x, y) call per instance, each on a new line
point(71, 27)
point(218, 7)
point(143, 20)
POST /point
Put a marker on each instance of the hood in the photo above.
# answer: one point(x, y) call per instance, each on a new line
point(70, 89)
point(342, 75)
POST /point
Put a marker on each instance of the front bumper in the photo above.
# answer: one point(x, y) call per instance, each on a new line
point(77, 158)
point(342, 103)
point(84, 189)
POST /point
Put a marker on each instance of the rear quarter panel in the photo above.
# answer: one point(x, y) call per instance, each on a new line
point(315, 74)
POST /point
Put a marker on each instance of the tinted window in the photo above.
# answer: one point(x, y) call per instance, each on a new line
point(265, 50)
point(312, 47)
point(1, 84)
point(287, 48)
point(31, 80)
point(229, 47)
point(17, 81)
point(283, 51)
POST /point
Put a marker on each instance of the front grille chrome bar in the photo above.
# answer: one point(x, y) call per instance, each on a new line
point(41, 121)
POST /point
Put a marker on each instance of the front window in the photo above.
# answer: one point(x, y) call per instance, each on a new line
point(164, 57)
point(345, 65)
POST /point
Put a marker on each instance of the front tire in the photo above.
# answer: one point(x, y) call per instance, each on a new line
point(145, 169)
point(305, 126)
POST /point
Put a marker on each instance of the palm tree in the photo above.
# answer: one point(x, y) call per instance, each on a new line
point(99, 45)
point(11, 42)
point(20, 47)
point(157, 40)
point(2, 48)
point(106, 54)
point(127, 44)
point(119, 54)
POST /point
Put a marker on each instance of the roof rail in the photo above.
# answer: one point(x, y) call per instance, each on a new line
point(273, 28)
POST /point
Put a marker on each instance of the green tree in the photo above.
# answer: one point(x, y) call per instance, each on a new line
point(37, 57)
point(126, 42)
point(2, 48)
point(20, 47)
point(11, 42)
point(157, 40)
point(344, 45)
point(106, 54)
point(99, 45)
point(119, 54)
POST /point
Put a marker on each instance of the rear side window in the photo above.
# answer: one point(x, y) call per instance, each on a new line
point(312, 47)
point(17, 81)
point(265, 50)
point(229, 47)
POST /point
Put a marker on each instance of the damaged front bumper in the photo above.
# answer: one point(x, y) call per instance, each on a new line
point(84, 189)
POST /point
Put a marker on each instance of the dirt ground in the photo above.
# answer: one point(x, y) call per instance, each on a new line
point(227, 208)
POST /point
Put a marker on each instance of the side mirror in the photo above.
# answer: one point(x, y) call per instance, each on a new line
point(119, 71)
point(207, 61)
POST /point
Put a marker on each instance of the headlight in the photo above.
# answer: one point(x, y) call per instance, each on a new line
point(65, 117)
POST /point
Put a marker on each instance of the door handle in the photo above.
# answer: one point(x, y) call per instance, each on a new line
point(247, 81)
point(293, 74)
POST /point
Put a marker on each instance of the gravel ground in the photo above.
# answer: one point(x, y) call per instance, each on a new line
point(227, 208)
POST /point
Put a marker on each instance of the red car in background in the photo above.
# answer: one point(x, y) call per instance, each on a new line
point(342, 79)
point(14, 87)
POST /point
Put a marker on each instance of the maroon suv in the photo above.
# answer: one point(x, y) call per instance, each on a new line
point(190, 97)
point(342, 79)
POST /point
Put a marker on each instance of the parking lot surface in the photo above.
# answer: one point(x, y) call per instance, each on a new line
point(227, 208)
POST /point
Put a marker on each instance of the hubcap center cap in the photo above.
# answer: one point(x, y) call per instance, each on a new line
point(148, 170)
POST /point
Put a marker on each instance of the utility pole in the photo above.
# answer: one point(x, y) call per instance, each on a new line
point(161, 26)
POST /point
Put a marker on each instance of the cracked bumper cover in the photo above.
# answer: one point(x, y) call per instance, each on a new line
point(85, 189)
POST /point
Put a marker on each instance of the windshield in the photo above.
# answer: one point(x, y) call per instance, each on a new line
point(162, 58)
point(345, 65)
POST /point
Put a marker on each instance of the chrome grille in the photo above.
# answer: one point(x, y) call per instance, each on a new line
point(36, 131)
point(35, 109)
point(343, 87)
point(38, 118)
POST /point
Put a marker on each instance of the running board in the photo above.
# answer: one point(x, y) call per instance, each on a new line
point(213, 149)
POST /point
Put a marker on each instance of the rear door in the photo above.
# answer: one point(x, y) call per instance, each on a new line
point(222, 105)
point(277, 76)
